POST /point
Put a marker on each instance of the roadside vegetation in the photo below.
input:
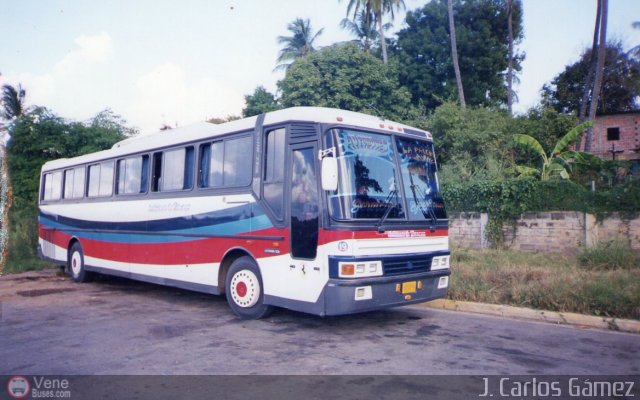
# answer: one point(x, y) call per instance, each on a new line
point(587, 284)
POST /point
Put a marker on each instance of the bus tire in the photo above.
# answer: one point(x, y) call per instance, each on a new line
point(75, 264)
point(244, 290)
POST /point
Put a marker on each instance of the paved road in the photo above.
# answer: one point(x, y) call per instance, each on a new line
point(50, 325)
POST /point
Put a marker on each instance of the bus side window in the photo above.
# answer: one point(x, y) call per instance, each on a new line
point(52, 186)
point(177, 171)
point(157, 172)
point(74, 183)
point(100, 180)
point(131, 178)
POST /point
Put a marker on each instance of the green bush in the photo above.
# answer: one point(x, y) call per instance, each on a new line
point(609, 255)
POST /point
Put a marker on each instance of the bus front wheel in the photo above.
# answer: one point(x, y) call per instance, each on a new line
point(76, 264)
point(244, 290)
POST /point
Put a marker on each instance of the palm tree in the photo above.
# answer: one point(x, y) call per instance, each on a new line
point(363, 27)
point(588, 86)
point(12, 102)
point(635, 51)
point(597, 82)
point(556, 163)
point(454, 54)
point(299, 44)
point(378, 8)
point(510, 64)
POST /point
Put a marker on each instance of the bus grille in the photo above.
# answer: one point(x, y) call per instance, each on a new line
point(407, 265)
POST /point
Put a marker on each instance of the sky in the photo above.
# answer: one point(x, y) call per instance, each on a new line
point(158, 62)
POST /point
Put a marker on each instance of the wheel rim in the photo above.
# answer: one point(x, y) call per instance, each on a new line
point(76, 263)
point(245, 288)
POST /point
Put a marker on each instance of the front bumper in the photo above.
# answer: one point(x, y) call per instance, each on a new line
point(352, 296)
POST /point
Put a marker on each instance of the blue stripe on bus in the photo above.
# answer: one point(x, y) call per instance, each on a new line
point(171, 234)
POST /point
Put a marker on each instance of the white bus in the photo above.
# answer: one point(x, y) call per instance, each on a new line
point(313, 209)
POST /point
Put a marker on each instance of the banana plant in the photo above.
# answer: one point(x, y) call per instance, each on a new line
point(559, 161)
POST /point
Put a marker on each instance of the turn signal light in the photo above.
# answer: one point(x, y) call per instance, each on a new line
point(347, 270)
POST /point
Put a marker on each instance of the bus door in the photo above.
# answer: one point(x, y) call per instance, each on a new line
point(304, 213)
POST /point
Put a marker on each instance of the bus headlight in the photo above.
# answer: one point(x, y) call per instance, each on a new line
point(441, 262)
point(361, 269)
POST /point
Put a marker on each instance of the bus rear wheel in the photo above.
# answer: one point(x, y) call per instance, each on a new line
point(76, 264)
point(244, 290)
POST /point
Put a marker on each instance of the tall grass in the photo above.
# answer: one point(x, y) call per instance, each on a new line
point(23, 242)
point(544, 281)
point(611, 254)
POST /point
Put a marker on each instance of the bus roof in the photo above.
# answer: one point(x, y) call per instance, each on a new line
point(204, 130)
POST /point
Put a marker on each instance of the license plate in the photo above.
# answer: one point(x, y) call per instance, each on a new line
point(408, 287)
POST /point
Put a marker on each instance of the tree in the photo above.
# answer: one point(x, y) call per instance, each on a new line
point(510, 93)
point(299, 44)
point(377, 8)
point(599, 72)
point(544, 124)
point(635, 51)
point(343, 76)
point(557, 163)
point(12, 102)
point(40, 136)
point(620, 83)
point(588, 86)
point(12, 108)
point(471, 143)
point(423, 51)
point(261, 101)
point(364, 29)
point(454, 54)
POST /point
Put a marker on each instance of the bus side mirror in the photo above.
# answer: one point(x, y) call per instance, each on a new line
point(329, 174)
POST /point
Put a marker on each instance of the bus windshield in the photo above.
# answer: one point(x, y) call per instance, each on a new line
point(371, 186)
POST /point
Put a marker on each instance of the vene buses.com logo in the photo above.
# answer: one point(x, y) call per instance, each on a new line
point(18, 387)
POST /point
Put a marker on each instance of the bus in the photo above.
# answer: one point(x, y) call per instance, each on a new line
point(318, 210)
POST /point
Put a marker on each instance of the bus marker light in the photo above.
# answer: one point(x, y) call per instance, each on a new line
point(381, 125)
point(407, 297)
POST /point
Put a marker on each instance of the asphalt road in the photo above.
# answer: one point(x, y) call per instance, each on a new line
point(50, 325)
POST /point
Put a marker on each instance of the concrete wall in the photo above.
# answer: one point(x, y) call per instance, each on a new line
point(558, 232)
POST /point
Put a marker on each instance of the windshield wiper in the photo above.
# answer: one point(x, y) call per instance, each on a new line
point(422, 197)
point(393, 194)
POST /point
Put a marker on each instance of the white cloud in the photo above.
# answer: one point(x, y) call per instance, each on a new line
point(166, 95)
point(72, 86)
point(90, 50)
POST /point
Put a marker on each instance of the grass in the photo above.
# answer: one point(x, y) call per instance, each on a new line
point(545, 281)
point(612, 254)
